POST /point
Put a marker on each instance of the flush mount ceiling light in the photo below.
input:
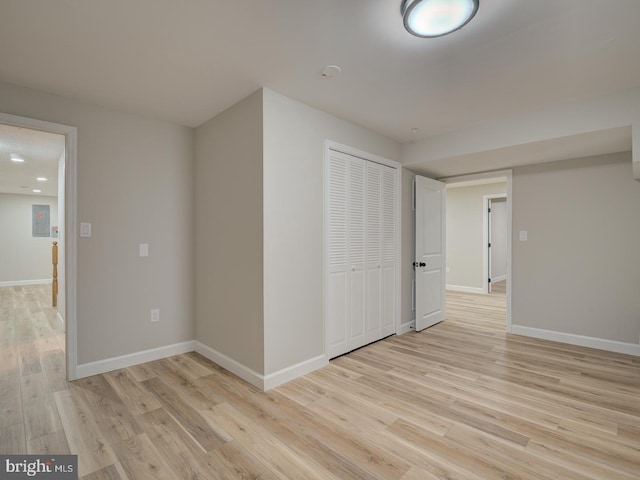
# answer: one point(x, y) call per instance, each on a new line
point(16, 158)
point(435, 18)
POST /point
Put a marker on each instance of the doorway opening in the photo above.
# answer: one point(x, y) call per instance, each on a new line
point(25, 138)
point(494, 243)
point(469, 262)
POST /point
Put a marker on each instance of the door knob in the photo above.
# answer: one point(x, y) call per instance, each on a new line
point(419, 264)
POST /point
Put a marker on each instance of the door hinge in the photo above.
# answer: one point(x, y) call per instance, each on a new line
point(489, 210)
point(489, 245)
point(489, 280)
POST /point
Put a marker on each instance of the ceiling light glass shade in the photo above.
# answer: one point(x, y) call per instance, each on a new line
point(16, 158)
point(435, 18)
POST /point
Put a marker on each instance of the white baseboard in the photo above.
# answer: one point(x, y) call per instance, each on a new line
point(247, 374)
point(260, 381)
point(572, 339)
point(123, 361)
point(18, 283)
point(498, 278)
point(60, 319)
point(406, 327)
point(460, 288)
point(263, 382)
point(290, 373)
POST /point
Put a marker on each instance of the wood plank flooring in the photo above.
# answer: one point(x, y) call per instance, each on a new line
point(499, 287)
point(461, 400)
point(32, 370)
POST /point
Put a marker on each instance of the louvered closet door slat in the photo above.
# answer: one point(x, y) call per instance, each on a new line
point(338, 280)
point(388, 215)
point(374, 243)
point(388, 295)
point(374, 207)
point(338, 237)
point(357, 237)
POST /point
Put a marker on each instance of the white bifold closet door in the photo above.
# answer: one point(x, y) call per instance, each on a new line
point(361, 252)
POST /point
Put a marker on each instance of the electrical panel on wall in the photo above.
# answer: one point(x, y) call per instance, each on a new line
point(40, 220)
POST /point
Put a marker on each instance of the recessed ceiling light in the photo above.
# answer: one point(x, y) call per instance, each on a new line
point(16, 158)
point(35, 190)
point(42, 179)
point(435, 18)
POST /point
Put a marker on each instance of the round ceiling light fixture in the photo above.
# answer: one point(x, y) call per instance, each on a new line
point(435, 18)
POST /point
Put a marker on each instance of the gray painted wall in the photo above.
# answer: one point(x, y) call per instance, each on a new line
point(135, 184)
point(464, 233)
point(579, 271)
point(229, 233)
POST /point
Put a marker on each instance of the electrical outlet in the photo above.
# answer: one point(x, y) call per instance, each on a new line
point(155, 315)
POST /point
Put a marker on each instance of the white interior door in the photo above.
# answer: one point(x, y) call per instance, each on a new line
point(430, 252)
point(498, 239)
point(489, 247)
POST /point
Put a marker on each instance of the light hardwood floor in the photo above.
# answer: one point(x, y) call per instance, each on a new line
point(499, 287)
point(462, 400)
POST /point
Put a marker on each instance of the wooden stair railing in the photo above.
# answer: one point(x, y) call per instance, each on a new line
point(54, 255)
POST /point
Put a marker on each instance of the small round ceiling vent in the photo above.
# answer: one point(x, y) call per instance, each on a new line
point(330, 71)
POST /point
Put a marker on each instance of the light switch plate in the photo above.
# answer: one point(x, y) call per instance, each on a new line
point(85, 229)
point(144, 250)
point(523, 235)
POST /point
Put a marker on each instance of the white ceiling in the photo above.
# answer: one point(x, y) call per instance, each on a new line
point(185, 61)
point(600, 142)
point(40, 151)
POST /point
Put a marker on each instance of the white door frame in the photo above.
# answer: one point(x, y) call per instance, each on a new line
point(331, 145)
point(485, 238)
point(499, 174)
point(70, 227)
